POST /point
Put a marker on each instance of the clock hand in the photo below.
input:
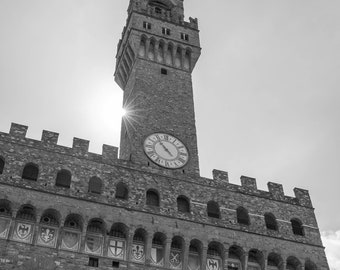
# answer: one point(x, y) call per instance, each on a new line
point(166, 149)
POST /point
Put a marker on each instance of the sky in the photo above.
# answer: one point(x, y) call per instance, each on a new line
point(266, 87)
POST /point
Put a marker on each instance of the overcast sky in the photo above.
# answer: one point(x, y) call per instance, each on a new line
point(266, 87)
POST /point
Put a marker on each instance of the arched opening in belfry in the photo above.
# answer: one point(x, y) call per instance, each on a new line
point(160, 5)
point(293, 263)
point(178, 57)
point(142, 47)
point(151, 53)
point(160, 53)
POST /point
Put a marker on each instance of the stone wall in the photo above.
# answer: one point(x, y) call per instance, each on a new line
point(224, 232)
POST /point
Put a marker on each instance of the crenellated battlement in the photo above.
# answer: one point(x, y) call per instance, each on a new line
point(171, 11)
point(275, 190)
point(49, 141)
point(109, 155)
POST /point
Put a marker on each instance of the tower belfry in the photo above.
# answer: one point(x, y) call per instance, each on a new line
point(155, 60)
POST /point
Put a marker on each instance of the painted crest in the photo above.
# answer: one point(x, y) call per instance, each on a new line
point(117, 249)
point(157, 256)
point(213, 264)
point(4, 227)
point(175, 259)
point(70, 241)
point(23, 231)
point(47, 237)
point(138, 252)
point(93, 245)
point(194, 262)
point(47, 234)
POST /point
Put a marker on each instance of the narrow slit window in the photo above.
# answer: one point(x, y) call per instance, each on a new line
point(166, 31)
point(185, 37)
point(147, 25)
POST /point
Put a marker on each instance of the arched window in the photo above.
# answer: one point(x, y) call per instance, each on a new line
point(119, 230)
point(50, 217)
point(30, 172)
point(5, 208)
point(117, 241)
point(293, 263)
point(160, 4)
point(142, 47)
point(274, 261)
point(195, 253)
point(71, 236)
point(74, 221)
point(270, 220)
point(95, 185)
point(24, 229)
point(157, 250)
point(297, 227)
point(256, 259)
point(160, 54)
point(151, 53)
point(137, 250)
point(2, 165)
point(122, 191)
point(214, 256)
point(242, 216)
point(96, 230)
point(176, 253)
point(309, 265)
point(183, 204)
point(139, 236)
point(63, 179)
point(235, 256)
point(26, 212)
point(96, 226)
point(48, 229)
point(152, 198)
point(187, 59)
point(213, 210)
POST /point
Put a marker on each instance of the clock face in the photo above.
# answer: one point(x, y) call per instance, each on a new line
point(166, 150)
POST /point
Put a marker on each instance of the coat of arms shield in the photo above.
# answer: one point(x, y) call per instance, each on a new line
point(213, 264)
point(4, 226)
point(138, 252)
point(93, 245)
point(47, 237)
point(194, 262)
point(23, 231)
point(157, 256)
point(70, 241)
point(117, 249)
point(47, 234)
point(175, 259)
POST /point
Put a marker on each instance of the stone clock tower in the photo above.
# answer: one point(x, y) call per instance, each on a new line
point(155, 60)
point(67, 208)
